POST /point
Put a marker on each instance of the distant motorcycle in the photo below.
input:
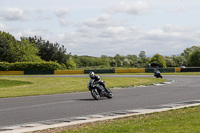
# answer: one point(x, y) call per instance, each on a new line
point(98, 91)
point(157, 74)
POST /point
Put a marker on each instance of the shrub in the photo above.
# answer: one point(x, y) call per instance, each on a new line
point(194, 58)
point(157, 58)
point(29, 66)
point(3, 66)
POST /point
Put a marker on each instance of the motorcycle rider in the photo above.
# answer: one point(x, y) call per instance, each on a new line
point(97, 79)
point(157, 73)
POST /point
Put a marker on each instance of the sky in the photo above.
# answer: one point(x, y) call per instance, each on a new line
point(106, 27)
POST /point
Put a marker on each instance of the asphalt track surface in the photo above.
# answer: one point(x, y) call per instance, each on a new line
point(22, 110)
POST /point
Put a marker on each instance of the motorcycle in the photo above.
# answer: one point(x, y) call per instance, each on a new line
point(157, 74)
point(98, 91)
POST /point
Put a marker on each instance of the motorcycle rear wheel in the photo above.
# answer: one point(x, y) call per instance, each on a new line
point(95, 94)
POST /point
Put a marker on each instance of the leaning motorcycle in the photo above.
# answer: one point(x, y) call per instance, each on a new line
point(158, 75)
point(98, 91)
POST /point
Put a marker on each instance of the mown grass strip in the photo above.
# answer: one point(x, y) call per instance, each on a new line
point(5, 83)
point(59, 85)
point(180, 121)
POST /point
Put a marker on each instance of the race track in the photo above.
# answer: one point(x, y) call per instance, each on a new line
point(22, 110)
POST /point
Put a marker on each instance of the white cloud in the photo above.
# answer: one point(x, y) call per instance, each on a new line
point(2, 27)
point(117, 29)
point(100, 35)
point(133, 8)
point(179, 9)
point(171, 28)
point(171, 39)
point(62, 12)
point(92, 39)
point(61, 15)
point(64, 22)
point(43, 14)
point(27, 33)
point(44, 33)
point(13, 14)
point(103, 21)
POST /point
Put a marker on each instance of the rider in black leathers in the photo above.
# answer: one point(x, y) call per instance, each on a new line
point(157, 73)
point(97, 79)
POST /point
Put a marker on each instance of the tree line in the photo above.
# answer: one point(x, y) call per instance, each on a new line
point(31, 49)
point(189, 57)
point(36, 49)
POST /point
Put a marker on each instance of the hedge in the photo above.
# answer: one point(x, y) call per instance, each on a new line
point(29, 66)
point(4, 66)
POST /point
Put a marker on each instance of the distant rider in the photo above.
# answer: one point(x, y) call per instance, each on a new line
point(157, 73)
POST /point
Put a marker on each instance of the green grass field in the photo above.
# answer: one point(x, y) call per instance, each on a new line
point(5, 83)
point(184, 120)
point(13, 86)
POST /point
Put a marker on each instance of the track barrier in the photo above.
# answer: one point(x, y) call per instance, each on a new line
point(11, 72)
point(57, 72)
point(139, 70)
point(100, 71)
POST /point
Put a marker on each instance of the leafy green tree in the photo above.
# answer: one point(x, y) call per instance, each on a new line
point(105, 61)
point(132, 59)
point(23, 51)
point(157, 58)
point(80, 61)
point(142, 60)
point(12, 50)
point(89, 61)
point(194, 58)
point(5, 40)
point(118, 59)
point(70, 63)
point(50, 51)
point(169, 61)
point(187, 52)
point(113, 63)
point(126, 63)
point(142, 54)
point(179, 60)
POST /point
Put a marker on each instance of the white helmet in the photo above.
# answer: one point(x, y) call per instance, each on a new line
point(91, 74)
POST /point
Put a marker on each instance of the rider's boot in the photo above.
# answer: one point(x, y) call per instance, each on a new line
point(107, 91)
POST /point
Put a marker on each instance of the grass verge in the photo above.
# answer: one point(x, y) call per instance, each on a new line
point(58, 85)
point(4, 83)
point(181, 120)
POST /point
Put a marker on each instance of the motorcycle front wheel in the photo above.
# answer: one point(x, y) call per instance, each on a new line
point(109, 95)
point(95, 94)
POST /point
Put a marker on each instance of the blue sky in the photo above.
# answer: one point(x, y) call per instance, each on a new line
point(106, 27)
